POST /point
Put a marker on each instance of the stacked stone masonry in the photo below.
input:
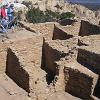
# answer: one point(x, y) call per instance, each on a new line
point(50, 59)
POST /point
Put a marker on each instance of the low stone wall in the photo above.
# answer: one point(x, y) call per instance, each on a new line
point(71, 29)
point(90, 59)
point(3, 56)
point(30, 48)
point(26, 75)
point(24, 65)
point(88, 29)
point(60, 34)
point(67, 22)
point(79, 81)
point(45, 29)
point(53, 51)
point(92, 40)
point(15, 71)
point(50, 56)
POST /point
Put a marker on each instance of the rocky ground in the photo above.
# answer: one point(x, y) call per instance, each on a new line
point(11, 91)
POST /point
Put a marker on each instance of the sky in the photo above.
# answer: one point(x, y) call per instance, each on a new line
point(85, 1)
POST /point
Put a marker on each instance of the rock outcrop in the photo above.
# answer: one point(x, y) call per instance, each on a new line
point(80, 11)
point(47, 4)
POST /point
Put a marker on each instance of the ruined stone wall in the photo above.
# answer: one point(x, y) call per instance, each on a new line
point(47, 60)
point(15, 71)
point(29, 77)
point(92, 40)
point(60, 34)
point(26, 55)
point(67, 22)
point(78, 82)
point(45, 28)
point(59, 49)
point(88, 29)
point(51, 55)
point(72, 29)
point(30, 48)
point(3, 55)
point(59, 79)
point(89, 58)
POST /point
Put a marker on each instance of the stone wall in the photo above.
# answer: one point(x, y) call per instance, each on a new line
point(3, 55)
point(45, 29)
point(50, 56)
point(88, 29)
point(24, 65)
point(72, 29)
point(15, 71)
point(26, 75)
point(60, 34)
point(30, 48)
point(48, 59)
point(92, 41)
point(90, 59)
point(53, 51)
point(67, 22)
point(79, 83)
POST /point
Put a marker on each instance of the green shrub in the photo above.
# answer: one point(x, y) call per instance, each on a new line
point(51, 16)
point(35, 15)
point(67, 15)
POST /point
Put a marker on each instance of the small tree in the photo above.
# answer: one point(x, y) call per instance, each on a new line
point(67, 15)
point(51, 16)
point(35, 15)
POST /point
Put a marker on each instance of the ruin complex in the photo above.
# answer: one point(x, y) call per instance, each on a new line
point(51, 61)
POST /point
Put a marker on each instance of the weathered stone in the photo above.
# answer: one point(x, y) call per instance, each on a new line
point(88, 29)
point(3, 55)
point(47, 60)
point(79, 80)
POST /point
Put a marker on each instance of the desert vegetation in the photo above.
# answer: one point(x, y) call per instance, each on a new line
point(35, 15)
